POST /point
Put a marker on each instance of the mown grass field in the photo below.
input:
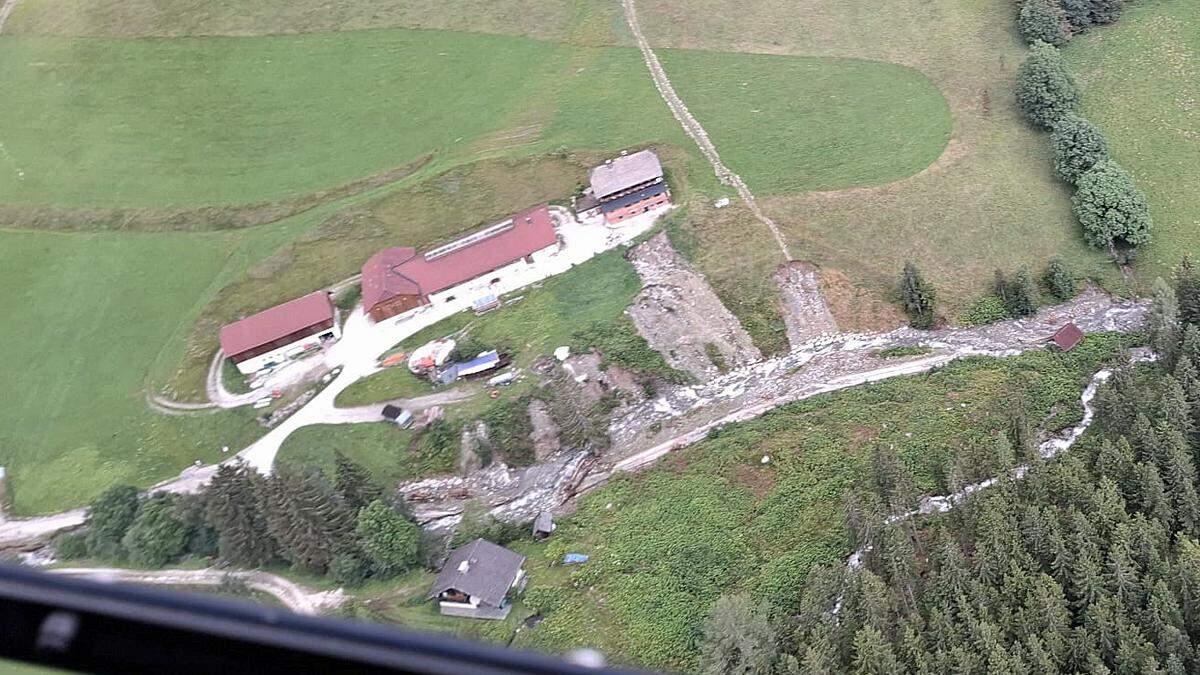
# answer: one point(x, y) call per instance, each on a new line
point(89, 316)
point(789, 124)
point(713, 519)
point(382, 448)
point(1141, 85)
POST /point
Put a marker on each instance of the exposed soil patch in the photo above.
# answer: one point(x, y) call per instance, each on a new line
point(45, 217)
point(682, 318)
point(856, 309)
point(804, 309)
point(545, 431)
point(759, 479)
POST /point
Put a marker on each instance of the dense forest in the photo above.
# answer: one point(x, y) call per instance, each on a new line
point(1088, 563)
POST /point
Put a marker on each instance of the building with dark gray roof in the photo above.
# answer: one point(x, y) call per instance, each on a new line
point(626, 186)
point(476, 580)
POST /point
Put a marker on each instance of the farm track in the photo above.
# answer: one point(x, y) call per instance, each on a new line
point(694, 130)
point(293, 596)
point(5, 10)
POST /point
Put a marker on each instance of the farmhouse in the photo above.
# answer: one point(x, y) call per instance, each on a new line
point(476, 580)
point(283, 332)
point(625, 187)
point(399, 279)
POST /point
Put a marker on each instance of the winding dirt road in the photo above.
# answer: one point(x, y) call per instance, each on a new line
point(293, 596)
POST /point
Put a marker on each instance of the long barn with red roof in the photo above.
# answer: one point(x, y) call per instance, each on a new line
point(399, 279)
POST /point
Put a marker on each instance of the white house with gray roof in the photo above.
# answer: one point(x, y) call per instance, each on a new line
point(476, 580)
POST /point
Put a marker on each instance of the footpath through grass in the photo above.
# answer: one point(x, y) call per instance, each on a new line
point(714, 518)
point(1141, 85)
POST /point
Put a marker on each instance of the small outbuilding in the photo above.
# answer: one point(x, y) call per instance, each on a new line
point(1067, 337)
point(477, 579)
point(543, 525)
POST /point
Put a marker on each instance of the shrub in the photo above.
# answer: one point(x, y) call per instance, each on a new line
point(1059, 281)
point(510, 429)
point(1106, 11)
point(392, 542)
point(1045, 90)
point(348, 569)
point(155, 537)
point(71, 545)
point(988, 310)
point(1022, 298)
point(918, 297)
point(1078, 145)
point(1040, 20)
point(899, 352)
point(1078, 14)
point(1111, 208)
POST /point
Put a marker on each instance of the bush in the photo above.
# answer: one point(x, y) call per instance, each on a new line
point(545, 599)
point(1078, 14)
point(1046, 91)
point(1059, 281)
point(1078, 145)
point(71, 545)
point(348, 569)
point(1040, 20)
point(1106, 11)
point(988, 310)
point(918, 297)
point(392, 542)
point(900, 352)
point(155, 537)
point(1111, 208)
point(510, 429)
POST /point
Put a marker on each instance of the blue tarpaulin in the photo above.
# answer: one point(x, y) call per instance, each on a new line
point(485, 361)
point(574, 559)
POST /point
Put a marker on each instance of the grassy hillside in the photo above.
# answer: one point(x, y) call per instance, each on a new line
point(88, 316)
point(714, 518)
point(1141, 85)
point(588, 21)
point(790, 125)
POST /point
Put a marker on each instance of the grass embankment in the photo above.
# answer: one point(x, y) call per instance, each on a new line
point(713, 518)
point(1141, 81)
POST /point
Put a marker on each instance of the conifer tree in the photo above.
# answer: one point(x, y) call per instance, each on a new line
point(737, 639)
point(1106, 11)
point(108, 519)
point(1078, 14)
point(1022, 298)
point(873, 655)
point(1162, 323)
point(918, 298)
point(353, 482)
point(1059, 281)
point(308, 519)
point(1187, 290)
point(233, 508)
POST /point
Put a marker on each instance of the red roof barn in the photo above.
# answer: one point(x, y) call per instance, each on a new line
point(277, 327)
point(398, 279)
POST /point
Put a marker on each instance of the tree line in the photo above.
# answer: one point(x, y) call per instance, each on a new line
point(344, 527)
point(1089, 563)
point(1015, 297)
point(1111, 209)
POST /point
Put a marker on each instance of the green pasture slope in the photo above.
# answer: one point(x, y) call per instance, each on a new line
point(793, 124)
point(88, 316)
point(1141, 85)
point(202, 121)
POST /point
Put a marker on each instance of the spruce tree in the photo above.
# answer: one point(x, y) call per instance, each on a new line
point(308, 519)
point(1059, 280)
point(109, 517)
point(353, 482)
point(1046, 91)
point(1162, 323)
point(1022, 297)
point(234, 509)
point(873, 655)
point(737, 638)
point(918, 298)
point(1187, 290)
point(1078, 145)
